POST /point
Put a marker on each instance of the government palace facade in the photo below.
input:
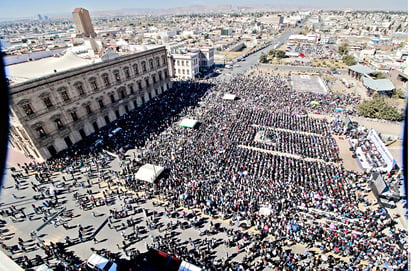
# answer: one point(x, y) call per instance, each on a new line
point(51, 113)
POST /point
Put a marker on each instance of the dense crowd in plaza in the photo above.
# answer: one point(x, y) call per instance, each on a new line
point(222, 170)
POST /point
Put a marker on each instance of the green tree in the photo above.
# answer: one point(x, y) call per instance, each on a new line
point(349, 60)
point(280, 53)
point(379, 75)
point(378, 108)
point(398, 94)
point(272, 53)
point(263, 58)
point(343, 49)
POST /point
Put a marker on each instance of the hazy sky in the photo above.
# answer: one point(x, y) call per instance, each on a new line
point(30, 8)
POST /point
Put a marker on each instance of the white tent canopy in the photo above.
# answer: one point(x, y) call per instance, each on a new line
point(189, 123)
point(229, 96)
point(149, 173)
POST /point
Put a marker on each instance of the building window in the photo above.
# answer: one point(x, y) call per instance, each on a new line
point(147, 82)
point(106, 80)
point(47, 102)
point(40, 131)
point(93, 84)
point(88, 109)
point(157, 62)
point(80, 89)
point(144, 66)
point(151, 64)
point(140, 85)
point(59, 123)
point(65, 96)
point(135, 69)
point(112, 98)
point(164, 60)
point(117, 76)
point(160, 75)
point(27, 109)
point(154, 78)
point(165, 72)
point(122, 93)
point(101, 104)
point(131, 89)
point(126, 72)
point(74, 116)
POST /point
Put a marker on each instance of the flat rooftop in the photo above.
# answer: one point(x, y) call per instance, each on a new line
point(19, 73)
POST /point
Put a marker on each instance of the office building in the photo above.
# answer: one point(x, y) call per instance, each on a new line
point(84, 26)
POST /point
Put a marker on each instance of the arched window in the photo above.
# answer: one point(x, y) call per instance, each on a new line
point(101, 104)
point(126, 72)
point(157, 62)
point(59, 123)
point(116, 74)
point(79, 87)
point(144, 66)
point(38, 127)
point(93, 83)
point(131, 88)
point(106, 80)
point(151, 64)
point(64, 94)
point(47, 101)
point(27, 109)
point(135, 69)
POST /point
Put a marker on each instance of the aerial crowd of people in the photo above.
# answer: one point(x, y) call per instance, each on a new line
point(260, 151)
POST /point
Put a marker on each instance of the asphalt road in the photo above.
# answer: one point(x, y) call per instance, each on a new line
point(251, 60)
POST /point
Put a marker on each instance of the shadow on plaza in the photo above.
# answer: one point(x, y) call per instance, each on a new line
point(152, 117)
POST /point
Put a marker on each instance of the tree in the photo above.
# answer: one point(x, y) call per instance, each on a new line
point(280, 53)
point(343, 49)
point(272, 53)
point(378, 108)
point(349, 60)
point(263, 58)
point(398, 94)
point(379, 75)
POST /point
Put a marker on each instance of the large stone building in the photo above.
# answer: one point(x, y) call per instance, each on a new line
point(83, 23)
point(54, 111)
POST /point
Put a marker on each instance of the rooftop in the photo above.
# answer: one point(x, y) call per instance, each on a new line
point(359, 68)
point(26, 71)
point(379, 84)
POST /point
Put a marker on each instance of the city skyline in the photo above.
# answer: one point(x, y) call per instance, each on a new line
point(12, 9)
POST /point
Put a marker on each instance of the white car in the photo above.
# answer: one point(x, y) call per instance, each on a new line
point(99, 263)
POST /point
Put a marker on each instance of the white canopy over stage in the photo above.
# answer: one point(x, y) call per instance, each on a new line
point(149, 173)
